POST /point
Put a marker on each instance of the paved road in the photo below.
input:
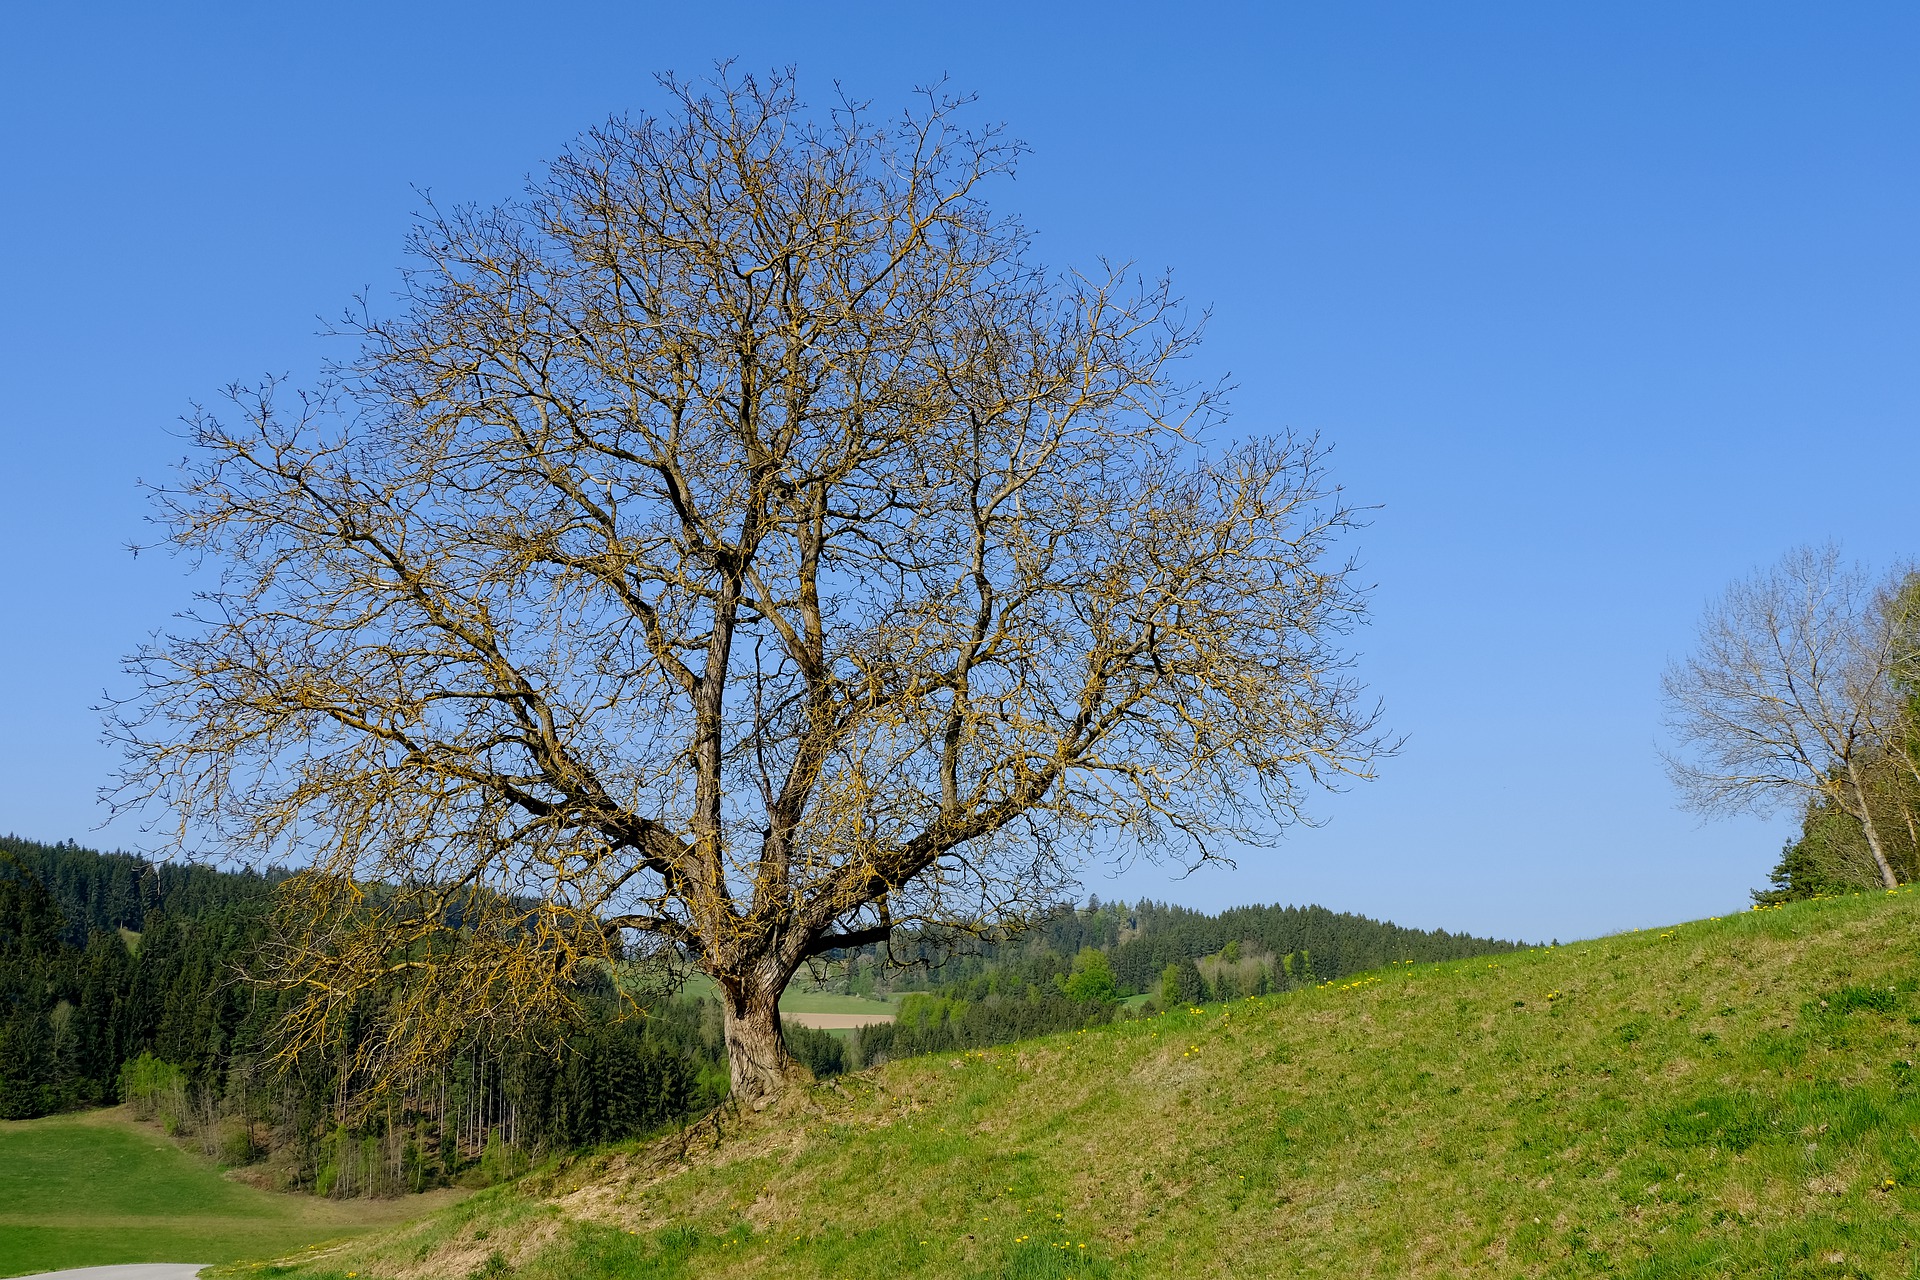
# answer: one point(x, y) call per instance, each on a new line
point(131, 1271)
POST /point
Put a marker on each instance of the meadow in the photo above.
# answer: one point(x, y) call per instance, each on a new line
point(95, 1188)
point(1729, 1097)
point(798, 1000)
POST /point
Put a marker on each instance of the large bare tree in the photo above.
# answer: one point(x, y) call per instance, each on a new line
point(735, 548)
point(1792, 694)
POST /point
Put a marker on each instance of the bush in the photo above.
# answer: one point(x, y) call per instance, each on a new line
point(156, 1089)
point(238, 1147)
point(1091, 980)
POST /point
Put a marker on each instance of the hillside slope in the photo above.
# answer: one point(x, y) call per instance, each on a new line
point(1727, 1097)
point(99, 1189)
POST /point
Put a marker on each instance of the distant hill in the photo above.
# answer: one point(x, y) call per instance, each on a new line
point(110, 891)
point(78, 998)
point(1726, 1097)
point(109, 960)
point(1295, 946)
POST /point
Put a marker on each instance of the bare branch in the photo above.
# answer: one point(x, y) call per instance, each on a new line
point(734, 540)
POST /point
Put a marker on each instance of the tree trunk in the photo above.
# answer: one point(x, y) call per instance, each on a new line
point(757, 1060)
point(1866, 824)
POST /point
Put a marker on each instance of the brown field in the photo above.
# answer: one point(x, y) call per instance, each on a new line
point(834, 1021)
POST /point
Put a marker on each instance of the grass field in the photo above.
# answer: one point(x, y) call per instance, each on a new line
point(796, 1000)
point(93, 1189)
point(1731, 1097)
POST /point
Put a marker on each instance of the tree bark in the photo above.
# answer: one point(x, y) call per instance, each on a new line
point(1866, 824)
point(758, 1064)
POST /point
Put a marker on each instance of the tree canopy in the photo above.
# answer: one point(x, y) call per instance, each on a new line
point(734, 548)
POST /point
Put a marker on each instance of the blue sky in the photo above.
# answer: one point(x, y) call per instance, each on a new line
point(1603, 305)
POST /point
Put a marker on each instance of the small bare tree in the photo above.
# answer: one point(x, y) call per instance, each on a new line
point(737, 550)
point(1790, 694)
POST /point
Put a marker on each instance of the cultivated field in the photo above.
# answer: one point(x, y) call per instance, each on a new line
point(820, 1009)
point(1735, 1097)
point(835, 1021)
point(93, 1189)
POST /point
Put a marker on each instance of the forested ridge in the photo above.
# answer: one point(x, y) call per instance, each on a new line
point(123, 979)
point(1142, 940)
point(1072, 968)
point(105, 956)
point(126, 980)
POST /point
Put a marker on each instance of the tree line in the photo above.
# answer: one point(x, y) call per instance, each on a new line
point(1293, 945)
point(1077, 967)
point(126, 980)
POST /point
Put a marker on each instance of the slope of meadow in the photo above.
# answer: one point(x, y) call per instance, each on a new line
point(95, 1188)
point(1727, 1097)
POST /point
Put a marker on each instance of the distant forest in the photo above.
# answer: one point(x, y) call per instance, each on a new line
point(127, 980)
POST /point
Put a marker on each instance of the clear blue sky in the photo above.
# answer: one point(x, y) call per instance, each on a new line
point(1605, 304)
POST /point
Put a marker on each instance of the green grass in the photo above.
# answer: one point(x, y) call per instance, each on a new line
point(89, 1190)
point(796, 1000)
point(1734, 1097)
point(828, 1002)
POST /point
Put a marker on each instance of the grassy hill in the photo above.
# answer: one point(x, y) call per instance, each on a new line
point(95, 1188)
point(1727, 1097)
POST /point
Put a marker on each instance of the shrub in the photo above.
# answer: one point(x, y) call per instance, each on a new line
point(156, 1089)
point(496, 1267)
point(238, 1147)
point(500, 1161)
point(1091, 980)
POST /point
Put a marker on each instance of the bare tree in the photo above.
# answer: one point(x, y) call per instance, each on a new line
point(736, 549)
point(1789, 695)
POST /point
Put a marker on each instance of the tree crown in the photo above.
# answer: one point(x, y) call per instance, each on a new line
point(737, 545)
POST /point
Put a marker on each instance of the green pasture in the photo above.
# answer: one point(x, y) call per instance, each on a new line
point(94, 1189)
point(797, 1000)
point(1729, 1097)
